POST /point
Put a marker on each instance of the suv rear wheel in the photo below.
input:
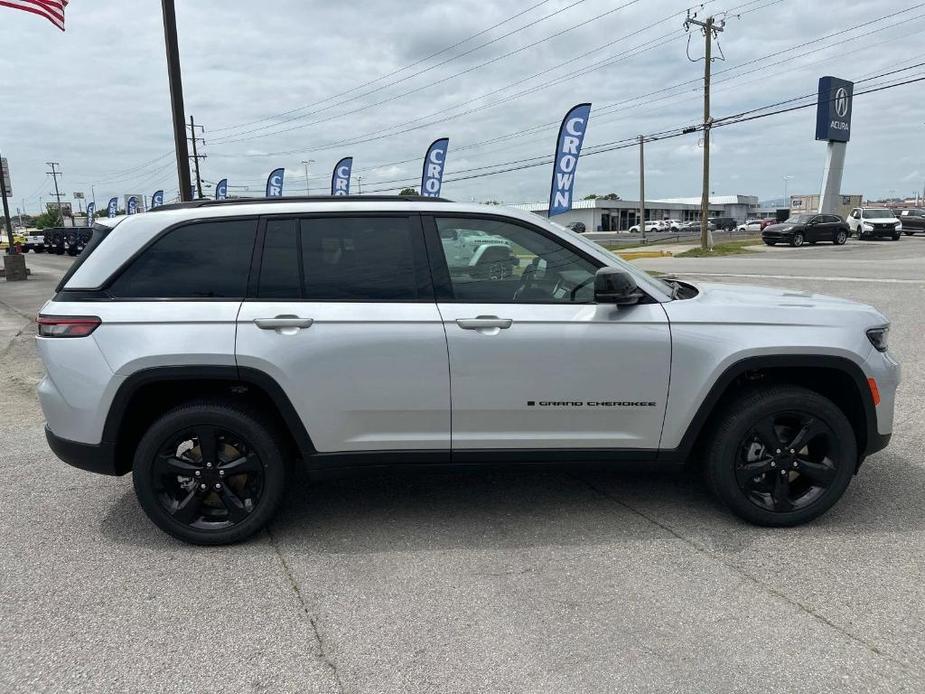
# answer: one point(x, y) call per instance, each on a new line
point(841, 236)
point(209, 473)
point(781, 456)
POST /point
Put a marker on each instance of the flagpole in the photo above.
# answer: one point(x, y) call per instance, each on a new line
point(176, 98)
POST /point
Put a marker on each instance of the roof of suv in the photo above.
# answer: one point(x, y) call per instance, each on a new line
point(206, 202)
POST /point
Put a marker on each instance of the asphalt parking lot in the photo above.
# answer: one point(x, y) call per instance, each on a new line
point(493, 581)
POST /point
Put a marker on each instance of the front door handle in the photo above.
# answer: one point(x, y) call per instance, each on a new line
point(283, 321)
point(482, 322)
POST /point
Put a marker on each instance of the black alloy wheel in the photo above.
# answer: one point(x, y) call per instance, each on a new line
point(786, 461)
point(781, 455)
point(797, 239)
point(841, 237)
point(208, 478)
point(209, 473)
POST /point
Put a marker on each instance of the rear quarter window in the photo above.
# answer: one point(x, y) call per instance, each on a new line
point(200, 260)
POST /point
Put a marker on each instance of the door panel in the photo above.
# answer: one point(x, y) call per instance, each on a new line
point(569, 376)
point(534, 363)
point(362, 376)
point(343, 317)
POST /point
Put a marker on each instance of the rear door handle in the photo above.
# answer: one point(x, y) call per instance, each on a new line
point(482, 322)
point(284, 321)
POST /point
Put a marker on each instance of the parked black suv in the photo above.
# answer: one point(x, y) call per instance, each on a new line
point(809, 228)
point(913, 220)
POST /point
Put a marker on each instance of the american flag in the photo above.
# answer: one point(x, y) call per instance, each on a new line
point(52, 10)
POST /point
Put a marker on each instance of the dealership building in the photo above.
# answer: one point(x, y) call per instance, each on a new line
point(620, 215)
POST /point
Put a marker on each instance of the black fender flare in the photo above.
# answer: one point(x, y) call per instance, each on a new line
point(873, 440)
point(232, 375)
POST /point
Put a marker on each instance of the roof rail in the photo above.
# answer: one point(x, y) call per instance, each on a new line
point(205, 202)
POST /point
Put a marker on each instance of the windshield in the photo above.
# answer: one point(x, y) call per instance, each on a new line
point(876, 214)
point(799, 219)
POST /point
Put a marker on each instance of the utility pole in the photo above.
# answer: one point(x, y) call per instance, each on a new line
point(54, 173)
point(711, 30)
point(176, 97)
point(642, 188)
point(360, 185)
point(196, 156)
point(307, 163)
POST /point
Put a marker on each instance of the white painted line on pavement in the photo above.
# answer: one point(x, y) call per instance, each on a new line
point(884, 280)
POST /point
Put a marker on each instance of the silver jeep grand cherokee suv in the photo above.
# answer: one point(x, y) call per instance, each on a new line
point(205, 346)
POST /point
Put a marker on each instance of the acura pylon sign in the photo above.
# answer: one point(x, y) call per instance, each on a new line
point(833, 109)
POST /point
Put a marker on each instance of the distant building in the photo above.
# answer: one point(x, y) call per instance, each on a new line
point(739, 207)
point(810, 203)
point(620, 215)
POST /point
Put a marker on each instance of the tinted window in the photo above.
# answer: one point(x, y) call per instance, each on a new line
point(360, 259)
point(202, 260)
point(279, 266)
point(492, 261)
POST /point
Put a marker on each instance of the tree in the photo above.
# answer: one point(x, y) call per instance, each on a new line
point(47, 219)
point(609, 196)
point(408, 191)
point(593, 196)
point(490, 202)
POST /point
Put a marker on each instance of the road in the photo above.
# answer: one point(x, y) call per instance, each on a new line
point(515, 581)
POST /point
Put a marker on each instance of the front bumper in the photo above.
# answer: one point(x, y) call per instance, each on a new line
point(99, 458)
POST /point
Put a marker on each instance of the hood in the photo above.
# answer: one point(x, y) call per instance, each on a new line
point(779, 227)
point(880, 220)
point(742, 303)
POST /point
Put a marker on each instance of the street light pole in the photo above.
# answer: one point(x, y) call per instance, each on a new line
point(786, 199)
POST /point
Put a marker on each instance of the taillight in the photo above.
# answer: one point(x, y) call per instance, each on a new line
point(67, 326)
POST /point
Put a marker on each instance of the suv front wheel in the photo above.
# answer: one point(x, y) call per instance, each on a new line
point(781, 456)
point(209, 473)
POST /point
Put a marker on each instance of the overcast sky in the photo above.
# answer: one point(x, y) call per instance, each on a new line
point(96, 99)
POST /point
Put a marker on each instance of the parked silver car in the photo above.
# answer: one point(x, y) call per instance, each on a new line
point(205, 346)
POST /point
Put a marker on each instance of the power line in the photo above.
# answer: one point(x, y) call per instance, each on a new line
point(606, 109)
point(663, 135)
point(239, 137)
point(390, 74)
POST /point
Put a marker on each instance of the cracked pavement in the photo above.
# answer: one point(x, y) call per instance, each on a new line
point(513, 580)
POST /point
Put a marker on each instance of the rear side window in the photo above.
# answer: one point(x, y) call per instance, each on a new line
point(280, 276)
point(361, 259)
point(204, 260)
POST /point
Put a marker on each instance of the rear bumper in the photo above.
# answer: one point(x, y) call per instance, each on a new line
point(99, 458)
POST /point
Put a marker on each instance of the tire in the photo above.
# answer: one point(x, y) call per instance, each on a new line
point(187, 504)
point(908, 233)
point(813, 243)
point(841, 237)
point(770, 243)
point(816, 476)
point(896, 237)
point(797, 240)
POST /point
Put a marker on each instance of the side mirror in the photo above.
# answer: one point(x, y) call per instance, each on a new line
point(615, 286)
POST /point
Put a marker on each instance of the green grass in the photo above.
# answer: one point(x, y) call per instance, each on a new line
point(729, 248)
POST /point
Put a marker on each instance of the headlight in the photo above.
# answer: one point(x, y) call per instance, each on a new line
point(868, 227)
point(899, 226)
point(878, 338)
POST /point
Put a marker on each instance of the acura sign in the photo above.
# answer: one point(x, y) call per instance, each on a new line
point(833, 109)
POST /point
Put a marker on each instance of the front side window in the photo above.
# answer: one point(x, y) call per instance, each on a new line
point(493, 261)
point(202, 260)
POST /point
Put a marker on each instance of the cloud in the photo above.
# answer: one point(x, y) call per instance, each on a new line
point(320, 80)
